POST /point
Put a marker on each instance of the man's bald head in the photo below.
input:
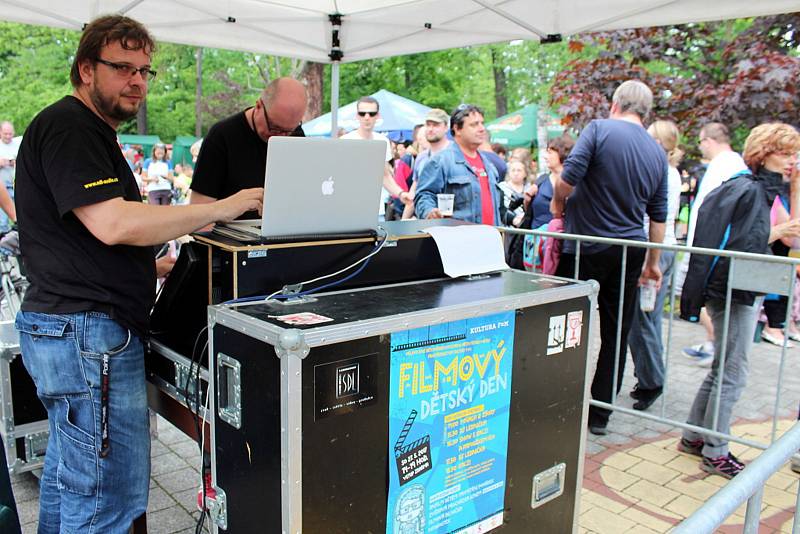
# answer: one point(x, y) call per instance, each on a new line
point(286, 100)
point(6, 132)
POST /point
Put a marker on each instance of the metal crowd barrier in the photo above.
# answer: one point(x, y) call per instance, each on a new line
point(746, 486)
point(761, 273)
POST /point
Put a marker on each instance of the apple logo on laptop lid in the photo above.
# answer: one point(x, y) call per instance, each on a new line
point(327, 186)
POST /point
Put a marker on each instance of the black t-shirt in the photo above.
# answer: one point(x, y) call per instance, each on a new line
point(70, 158)
point(232, 157)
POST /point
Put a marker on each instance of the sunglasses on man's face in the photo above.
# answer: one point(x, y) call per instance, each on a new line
point(365, 113)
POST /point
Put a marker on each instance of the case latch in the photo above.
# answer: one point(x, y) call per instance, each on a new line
point(548, 485)
point(217, 509)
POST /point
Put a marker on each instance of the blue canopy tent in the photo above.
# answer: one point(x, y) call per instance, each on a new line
point(398, 117)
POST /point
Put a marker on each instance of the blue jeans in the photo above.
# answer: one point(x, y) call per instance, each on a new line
point(644, 339)
point(82, 490)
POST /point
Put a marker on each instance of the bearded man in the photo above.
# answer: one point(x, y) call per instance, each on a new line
point(87, 243)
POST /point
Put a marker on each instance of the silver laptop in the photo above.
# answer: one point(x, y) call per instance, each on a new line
point(316, 188)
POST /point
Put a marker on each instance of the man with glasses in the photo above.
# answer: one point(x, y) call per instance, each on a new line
point(463, 171)
point(368, 113)
point(88, 247)
point(233, 155)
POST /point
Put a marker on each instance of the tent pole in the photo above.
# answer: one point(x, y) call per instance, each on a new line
point(336, 56)
point(334, 99)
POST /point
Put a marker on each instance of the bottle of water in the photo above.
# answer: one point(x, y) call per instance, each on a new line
point(647, 296)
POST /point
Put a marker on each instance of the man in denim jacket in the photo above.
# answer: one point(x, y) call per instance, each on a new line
point(462, 171)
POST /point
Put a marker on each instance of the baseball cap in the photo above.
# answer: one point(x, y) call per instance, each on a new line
point(437, 115)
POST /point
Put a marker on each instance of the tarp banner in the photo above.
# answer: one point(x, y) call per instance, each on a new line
point(448, 426)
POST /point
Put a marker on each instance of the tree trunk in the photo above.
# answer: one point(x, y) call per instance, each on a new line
point(198, 95)
point(141, 119)
point(500, 100)
point(311, 75)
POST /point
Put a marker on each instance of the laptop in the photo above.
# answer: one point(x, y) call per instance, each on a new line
point(316, 189)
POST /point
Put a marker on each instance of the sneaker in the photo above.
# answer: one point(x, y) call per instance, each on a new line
point(700, 354)
point(691, 447)
point(725, 466)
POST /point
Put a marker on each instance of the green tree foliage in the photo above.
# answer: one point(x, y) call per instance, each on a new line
point(35, 62)
point(34, 70)
point(741, 72)
point(447, 78)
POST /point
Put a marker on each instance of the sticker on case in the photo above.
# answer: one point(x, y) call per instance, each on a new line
point(302, 318)
point(574, 328)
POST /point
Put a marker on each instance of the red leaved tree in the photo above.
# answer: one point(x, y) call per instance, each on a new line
point(741, 73)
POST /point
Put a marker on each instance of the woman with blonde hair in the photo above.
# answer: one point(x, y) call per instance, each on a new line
point(735, 217)
point(644, 338)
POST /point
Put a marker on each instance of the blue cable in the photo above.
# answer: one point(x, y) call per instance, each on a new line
point(313, 290)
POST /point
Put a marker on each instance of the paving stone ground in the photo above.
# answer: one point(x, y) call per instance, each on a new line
point(635, 480)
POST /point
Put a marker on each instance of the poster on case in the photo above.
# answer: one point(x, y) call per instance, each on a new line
point(448, 426)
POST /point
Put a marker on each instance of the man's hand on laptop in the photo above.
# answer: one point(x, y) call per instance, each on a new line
point(245, 200)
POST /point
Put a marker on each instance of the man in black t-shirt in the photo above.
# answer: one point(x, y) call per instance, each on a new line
point(233, 155)
point(87, 242)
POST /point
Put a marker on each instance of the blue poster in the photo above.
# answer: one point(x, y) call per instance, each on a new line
point(448, 426)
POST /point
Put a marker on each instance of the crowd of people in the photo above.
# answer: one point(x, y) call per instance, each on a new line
point(623, 178)
point(161, 180)
point(87, 240)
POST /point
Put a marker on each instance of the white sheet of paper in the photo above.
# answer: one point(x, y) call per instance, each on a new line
point(469, 249)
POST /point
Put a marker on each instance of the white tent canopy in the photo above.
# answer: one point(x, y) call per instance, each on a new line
point(378, 28)
point(330, 31)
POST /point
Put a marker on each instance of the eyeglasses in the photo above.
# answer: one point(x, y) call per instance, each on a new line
point(365, 113)
point(124, 70)
point(275, 130)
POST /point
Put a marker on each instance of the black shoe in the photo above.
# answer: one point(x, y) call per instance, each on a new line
point(598, 429)
point(636, 392)
point(646, 397)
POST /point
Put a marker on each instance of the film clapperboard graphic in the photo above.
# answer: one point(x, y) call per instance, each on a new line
point(412, 459)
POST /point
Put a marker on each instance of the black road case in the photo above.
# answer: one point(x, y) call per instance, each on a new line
point(454, 405)
point(23, 418)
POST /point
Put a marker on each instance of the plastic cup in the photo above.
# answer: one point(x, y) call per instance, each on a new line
point(647, 296)
point(444, 201)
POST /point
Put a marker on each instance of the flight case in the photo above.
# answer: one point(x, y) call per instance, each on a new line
point(24, 425)
point(451, 405)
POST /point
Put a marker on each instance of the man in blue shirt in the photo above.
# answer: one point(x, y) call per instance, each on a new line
point(615, 174)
